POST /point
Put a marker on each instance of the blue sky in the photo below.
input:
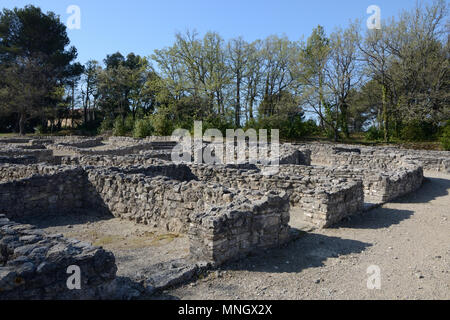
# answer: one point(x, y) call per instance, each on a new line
point(141, 26)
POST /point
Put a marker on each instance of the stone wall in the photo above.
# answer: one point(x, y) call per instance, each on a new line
point(320, 200)
point(166, 197)
point(60, 191)
point(232, 231)
point(161, 202)
point(430, 160)
point(114, 161)
point(110, 151)
point(34, 266)
point(84, 143)
point(19, 160)
point(42, 155)
point(379, 186)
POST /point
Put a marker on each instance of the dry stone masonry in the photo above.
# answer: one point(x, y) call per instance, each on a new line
point(226, 211)
point(34, 265)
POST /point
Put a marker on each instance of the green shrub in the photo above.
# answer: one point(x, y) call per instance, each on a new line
point(445, 138)
point(123, 127)
point(311, 128)
point(119, 128)
point(412, 132)
point(220, 123)
point(162, 124)
point(374, 134)
point(418, 131)
point(143, 128)
point(106, 125)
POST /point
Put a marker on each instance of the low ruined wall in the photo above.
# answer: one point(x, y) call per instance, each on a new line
point(430, 160)
point(233, 231)
point(18, 160)
point(84, 143)
point(113, 151)
point(34, 266)
point(315, 197)
point(386, 177)
point(42, 155)
point(161, 202)
point(155, 157)
point(432, 163)
point(379, 186)
point(129, 140)
point(58, 192)
point(291, 155)
point(10, 172)
point(15, 140)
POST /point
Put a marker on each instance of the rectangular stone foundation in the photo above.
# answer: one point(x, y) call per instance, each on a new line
point(228, 233)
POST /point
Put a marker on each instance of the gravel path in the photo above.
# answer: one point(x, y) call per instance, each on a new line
point(409, 240)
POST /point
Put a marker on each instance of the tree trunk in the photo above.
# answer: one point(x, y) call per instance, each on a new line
point(250, 108)
point(344, 120)
point(22, 124)
point(322, 126)
point(73, 105)
point(385, 115)
point(237, 115)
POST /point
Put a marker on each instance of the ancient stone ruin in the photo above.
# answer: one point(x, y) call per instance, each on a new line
point(224, 212)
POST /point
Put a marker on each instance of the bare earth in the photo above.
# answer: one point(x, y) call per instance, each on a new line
point(135, 246)
point(409, 240)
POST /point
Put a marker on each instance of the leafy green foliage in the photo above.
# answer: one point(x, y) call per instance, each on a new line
point(34, 62)
point(418, 131)
point(143, 128)
point(106, 125)
point(374, 134)
point(162, 123)
point(445, 138)
point(123, 127)
point(347, 80)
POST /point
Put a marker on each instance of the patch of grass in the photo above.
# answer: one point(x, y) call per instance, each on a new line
point(147, 239)
point(107, 240)
point(169, 237)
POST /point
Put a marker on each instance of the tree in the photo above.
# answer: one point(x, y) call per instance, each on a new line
point(24, 86)
point(420, 48)
point(276, 53)
point(378, 61)
point(253, 75)
point(33, 42)
point(314, 58)
point(90, 87)
point(238, 57)
point(343, 72)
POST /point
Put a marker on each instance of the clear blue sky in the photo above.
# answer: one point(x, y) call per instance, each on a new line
point(141, 26)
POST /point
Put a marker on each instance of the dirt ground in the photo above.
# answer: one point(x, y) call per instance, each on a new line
point(135, 246)
point(408, 239)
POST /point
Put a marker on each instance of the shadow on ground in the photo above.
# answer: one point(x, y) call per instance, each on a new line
point(377, 218)
point(431, 189)
point(309, 251)
point(381, 217)
point(75, 218)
